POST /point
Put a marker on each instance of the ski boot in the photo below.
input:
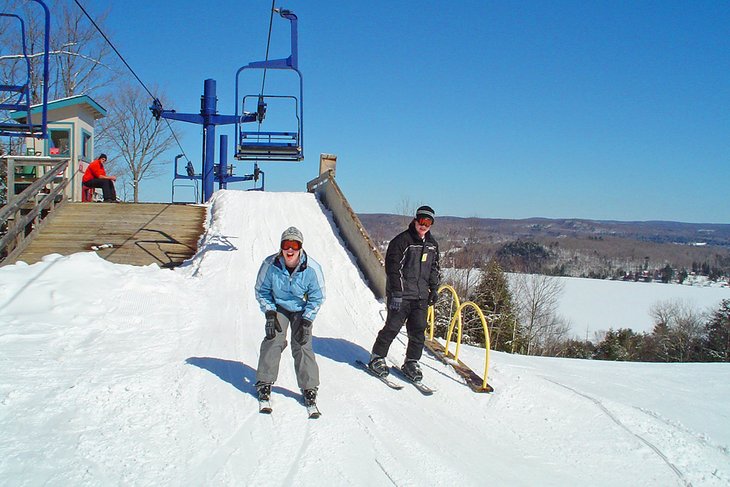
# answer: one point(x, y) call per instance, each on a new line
point(378, 366)
point(310, 397)
point(264, 390)
point(412, 370)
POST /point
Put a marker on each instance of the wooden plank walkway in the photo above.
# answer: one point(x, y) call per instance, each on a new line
point(140, 234)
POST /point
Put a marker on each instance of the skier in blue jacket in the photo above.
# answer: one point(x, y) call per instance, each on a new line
point(290, 291)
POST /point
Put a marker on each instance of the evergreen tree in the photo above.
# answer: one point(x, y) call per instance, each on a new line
point(667, 274)
point(717, 341)
point(572, 348)
point(662, 348)
point(493, 296)
point(622, 344)
point(523, 256)
point(444, 310)
point(682, 275)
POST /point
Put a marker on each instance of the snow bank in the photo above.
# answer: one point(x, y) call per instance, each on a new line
point(116, 374)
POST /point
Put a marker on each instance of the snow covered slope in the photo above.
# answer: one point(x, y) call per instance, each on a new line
point(121, 375)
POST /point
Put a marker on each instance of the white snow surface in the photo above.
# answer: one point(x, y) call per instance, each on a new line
point(121, 375)
point(595, 305)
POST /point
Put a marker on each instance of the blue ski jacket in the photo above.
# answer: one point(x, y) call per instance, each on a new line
point(303, 290)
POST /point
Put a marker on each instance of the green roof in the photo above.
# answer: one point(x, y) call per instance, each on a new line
point(63, 102)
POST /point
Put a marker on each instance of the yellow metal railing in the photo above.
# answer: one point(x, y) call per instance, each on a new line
point(457, 320)
point(431, 316)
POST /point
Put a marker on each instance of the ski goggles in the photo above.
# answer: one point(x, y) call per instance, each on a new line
point(290, 244)
point(424, 222)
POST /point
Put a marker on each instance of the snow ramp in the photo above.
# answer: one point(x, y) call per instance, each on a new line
point(368, 434)
point(124, 375)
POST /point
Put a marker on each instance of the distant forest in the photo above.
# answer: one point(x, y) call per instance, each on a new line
point(647, 251)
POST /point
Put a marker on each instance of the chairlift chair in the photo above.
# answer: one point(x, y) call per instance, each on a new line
point(17, 96)
point(272, 146)
point(267, 145)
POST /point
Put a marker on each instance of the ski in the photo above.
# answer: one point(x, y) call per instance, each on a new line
point(422, 388)
point(265, 407)
point(313, 411)
point(385, 380)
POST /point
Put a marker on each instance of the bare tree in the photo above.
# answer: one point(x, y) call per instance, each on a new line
point(679, 330)
point(79, 58)
point(78, 54)
point(466, 261)
point(131, 132)
point(537, 298)
point(493, 296)
point(407, 209)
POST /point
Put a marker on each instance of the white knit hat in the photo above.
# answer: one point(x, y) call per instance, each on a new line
point(292, 233)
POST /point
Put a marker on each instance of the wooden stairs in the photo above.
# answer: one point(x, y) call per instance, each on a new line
point(123, 233)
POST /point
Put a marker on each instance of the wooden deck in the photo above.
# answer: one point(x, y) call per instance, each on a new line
point(140, 234)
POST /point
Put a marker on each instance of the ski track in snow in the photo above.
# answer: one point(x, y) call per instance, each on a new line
point(616, 420)
point(142, 376)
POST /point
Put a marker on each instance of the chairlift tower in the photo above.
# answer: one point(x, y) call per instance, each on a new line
point(250, 146)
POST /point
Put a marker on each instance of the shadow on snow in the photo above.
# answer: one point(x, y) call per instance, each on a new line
point(243, 377)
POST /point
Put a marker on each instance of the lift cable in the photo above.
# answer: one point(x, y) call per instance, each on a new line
point(268, 44)
point(112, 46)
point(130, 69)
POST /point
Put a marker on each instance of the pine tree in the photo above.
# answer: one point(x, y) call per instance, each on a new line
point(493, 296)
point(623, 344)
point(444, 311)
point(717, 346)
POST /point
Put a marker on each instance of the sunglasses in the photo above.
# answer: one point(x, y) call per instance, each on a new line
point(290, 244)
point(425, 222)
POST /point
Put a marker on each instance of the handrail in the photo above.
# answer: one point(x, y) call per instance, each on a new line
point(431, 316)
point(31, 190)
point(457, 319)
point(21, 223)
point(487, 344)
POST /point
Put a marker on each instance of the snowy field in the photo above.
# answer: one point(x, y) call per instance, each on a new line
point(595, 305)
point(122, 375)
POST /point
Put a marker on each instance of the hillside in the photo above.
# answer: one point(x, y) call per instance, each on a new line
point(123, 375)
point(578, 248)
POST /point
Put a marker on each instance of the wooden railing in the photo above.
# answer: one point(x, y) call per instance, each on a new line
point(26, 212)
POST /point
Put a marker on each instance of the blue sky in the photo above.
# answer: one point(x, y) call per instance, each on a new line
point(566, 109)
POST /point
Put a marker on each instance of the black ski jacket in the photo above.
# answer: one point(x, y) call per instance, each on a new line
point(412, 265)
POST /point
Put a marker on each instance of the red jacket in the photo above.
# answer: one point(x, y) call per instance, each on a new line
point(95, 169)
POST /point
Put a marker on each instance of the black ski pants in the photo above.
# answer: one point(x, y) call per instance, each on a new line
point(412, 312)
point(107, 187)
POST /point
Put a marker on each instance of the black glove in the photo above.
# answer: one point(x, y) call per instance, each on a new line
point(272, 325)
point(433, 297)
point(304, 331)
point(394, 303)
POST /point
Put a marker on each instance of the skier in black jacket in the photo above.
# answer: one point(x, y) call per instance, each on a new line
point(412, 281)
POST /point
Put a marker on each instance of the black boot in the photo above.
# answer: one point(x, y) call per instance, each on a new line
point(378, 366)
point(264, 390)
point(412, 370)
point(310, 397)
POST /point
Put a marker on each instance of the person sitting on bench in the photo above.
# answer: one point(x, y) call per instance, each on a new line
point(95, 177)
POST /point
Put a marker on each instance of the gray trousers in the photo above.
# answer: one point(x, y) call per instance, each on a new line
point(305, 364)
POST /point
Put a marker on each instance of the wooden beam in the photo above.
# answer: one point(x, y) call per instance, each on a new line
point(472, 379)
